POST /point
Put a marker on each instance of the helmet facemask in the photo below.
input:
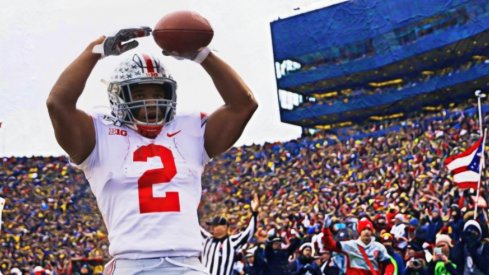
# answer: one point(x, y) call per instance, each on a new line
point(142, 70)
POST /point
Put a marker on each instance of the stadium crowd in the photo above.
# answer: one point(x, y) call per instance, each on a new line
point(399, 85)
point(397, 180)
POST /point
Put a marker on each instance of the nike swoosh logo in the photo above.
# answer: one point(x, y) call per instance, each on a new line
point(173, 134)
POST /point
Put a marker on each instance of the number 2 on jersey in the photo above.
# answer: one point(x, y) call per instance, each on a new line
point(147, 202)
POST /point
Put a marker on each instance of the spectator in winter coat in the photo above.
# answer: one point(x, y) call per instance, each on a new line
point(254, 255)
point(304, 264)
point(435, 224)
point(471, 255)
point(441, 262)
point(328, 266)
point(249, 267)
point(398, 230)
point(456, 223)
point(415, 259)
point(380, 223)
point(387, 240)
point(277, 258)
point(365, 255)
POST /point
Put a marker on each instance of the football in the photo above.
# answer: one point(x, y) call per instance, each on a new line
point(182, 32)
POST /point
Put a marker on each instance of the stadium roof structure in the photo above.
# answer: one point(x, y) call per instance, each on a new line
point(353, 46)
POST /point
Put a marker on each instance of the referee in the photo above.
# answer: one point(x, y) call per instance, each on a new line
point(220, 248)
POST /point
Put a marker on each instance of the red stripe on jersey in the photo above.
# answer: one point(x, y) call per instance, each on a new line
point(149, 63)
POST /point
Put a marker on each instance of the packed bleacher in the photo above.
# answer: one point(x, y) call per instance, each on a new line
point(394, 177)
point(50, 216)
point(396, 85)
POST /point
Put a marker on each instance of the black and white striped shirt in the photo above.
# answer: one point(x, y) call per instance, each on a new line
point(218, 255)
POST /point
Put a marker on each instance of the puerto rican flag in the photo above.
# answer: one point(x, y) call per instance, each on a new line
point(465, 166)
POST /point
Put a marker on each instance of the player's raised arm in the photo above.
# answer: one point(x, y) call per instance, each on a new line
point(225, 125)
point(185, 35)
point(74, 128)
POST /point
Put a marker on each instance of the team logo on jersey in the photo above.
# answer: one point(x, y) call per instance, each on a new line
point(116, 131)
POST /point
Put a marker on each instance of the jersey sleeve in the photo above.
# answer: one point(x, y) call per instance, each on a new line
point(92, 165)
point(93, 158)
point(195, 123)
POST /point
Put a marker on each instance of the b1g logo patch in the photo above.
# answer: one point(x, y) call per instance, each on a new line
point(116, 131)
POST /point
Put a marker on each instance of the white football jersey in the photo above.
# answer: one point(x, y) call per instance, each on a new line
point(148, 190)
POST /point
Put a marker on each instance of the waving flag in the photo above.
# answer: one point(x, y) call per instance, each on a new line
point(465, 166)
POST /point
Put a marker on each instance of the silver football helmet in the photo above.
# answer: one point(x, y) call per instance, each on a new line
point(142, 69)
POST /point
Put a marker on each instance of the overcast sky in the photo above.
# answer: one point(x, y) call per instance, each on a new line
point(38, 39)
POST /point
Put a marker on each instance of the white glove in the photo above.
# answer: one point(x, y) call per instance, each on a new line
point(112, 45)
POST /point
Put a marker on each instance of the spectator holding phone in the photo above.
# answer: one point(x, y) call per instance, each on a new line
point(416, 266)
point(441, 263)
point(415, 260)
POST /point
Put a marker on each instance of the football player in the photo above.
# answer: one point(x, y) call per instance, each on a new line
point(144, 162)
